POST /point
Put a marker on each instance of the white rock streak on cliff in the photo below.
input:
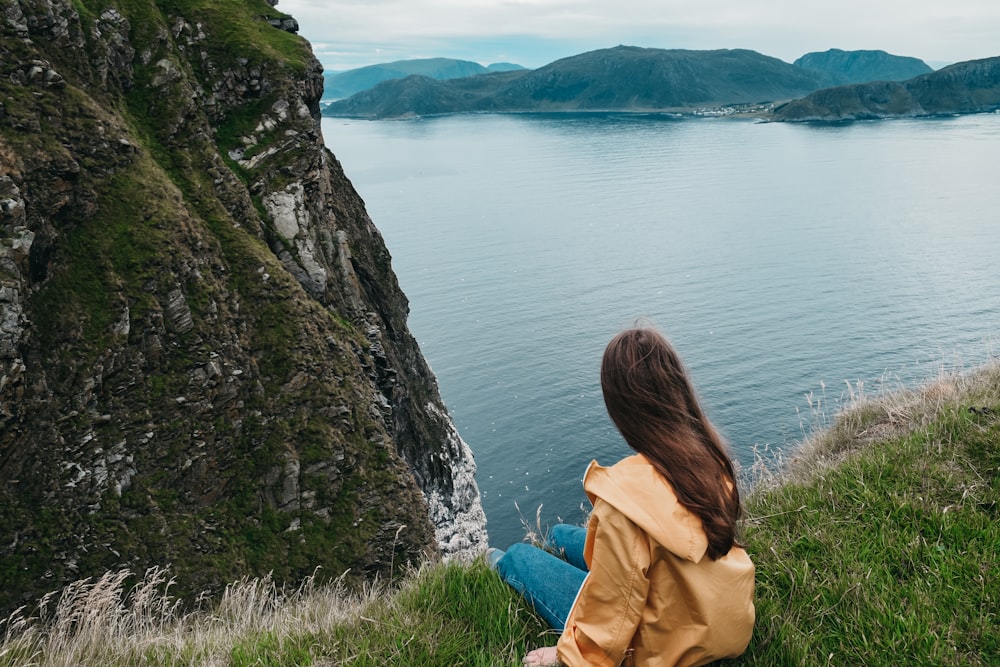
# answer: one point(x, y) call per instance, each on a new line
point(459, 520)
point(291, 220)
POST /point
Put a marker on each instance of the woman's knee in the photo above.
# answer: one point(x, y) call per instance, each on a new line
point(519, 555)
point(563, 534)
point(517, 564)
point(568, 542)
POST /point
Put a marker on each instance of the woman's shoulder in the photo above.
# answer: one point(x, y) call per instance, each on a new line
point(632, 473)
point(634, 488)
point(635, 461)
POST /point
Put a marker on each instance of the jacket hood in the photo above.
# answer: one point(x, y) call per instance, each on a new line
point(635, 488)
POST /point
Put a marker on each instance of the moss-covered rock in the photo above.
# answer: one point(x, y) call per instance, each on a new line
point(204, 357)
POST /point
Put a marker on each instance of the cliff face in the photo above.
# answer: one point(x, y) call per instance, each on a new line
point(204, 357)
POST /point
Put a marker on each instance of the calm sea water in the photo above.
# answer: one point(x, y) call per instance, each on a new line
point(784, 261)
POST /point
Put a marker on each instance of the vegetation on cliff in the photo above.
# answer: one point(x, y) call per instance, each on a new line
point(204, 356)
point(875, 544)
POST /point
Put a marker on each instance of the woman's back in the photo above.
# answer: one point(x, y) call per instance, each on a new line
point(665, 581)
point(652, 592)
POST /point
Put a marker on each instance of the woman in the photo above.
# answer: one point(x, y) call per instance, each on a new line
point(657, 578)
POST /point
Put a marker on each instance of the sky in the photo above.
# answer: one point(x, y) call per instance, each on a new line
point(346, 34)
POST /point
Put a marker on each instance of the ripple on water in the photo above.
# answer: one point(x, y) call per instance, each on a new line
point(780, 259)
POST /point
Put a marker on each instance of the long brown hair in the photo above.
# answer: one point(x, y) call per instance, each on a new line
point(653, 403)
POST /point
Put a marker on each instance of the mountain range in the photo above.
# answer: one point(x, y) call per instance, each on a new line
point(628, 78)
point(344, 84)
point(968, 87)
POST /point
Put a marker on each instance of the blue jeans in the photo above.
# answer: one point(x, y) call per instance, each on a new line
point(548, 583)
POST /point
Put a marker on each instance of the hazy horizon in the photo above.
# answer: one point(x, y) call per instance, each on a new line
point(533, 33)
point(934, 64)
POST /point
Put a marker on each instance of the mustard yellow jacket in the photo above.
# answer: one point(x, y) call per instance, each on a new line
point(653, 597)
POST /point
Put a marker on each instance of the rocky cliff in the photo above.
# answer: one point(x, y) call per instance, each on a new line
point(204, 356)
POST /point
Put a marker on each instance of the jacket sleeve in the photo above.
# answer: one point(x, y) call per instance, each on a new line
point(607, 610)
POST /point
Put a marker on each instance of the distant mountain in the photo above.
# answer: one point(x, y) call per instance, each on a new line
point(844, 67)
point(422, 96)
point(504, 67)
point(968, 87)
point(624, 78)
point(344, 84)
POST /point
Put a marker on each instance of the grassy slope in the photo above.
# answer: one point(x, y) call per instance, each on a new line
point(876, 545)
point(879, 547)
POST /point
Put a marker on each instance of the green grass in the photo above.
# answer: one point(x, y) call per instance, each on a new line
point(239, 27)
point(875, 544)
point(454, 615)
point(88, 290)
point(886, 555)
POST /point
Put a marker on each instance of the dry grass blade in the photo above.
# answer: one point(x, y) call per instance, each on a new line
point(103, 622)
point(865, 418)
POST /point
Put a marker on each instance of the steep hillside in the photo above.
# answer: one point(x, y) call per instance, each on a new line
point(624, 78)
point(846, 67)
point(969, 87)
point(344, 84)
point(204, 356)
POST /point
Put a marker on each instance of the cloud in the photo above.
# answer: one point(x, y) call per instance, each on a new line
point(351, 33)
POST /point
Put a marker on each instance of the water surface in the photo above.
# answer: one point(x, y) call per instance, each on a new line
point(782, 260)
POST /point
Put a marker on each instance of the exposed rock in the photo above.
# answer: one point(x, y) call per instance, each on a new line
point(288, 25)
point(459, 520)
point(178, 312)
point(204, 357)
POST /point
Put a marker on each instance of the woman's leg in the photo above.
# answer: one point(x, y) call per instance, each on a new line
point(567, 541)
point(549, 584)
